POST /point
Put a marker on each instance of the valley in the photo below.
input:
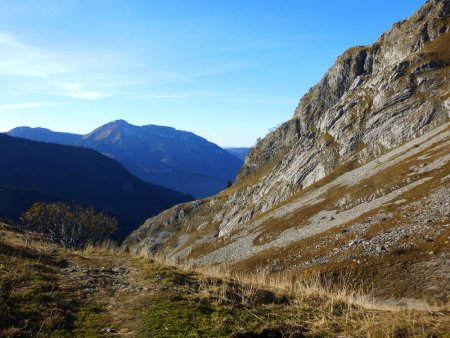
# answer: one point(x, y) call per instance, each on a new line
point(336, 223)
point(45, 172)
point(356, 183)
point(175, 159)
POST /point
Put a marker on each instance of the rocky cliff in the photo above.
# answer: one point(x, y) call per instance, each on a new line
point(355, 149)
point(373, 99)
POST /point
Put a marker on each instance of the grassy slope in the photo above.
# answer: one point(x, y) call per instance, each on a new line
point(48, 291)
point(397, 262)
point(404, 268)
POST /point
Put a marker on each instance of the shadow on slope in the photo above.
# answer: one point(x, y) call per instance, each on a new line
point(34, 171)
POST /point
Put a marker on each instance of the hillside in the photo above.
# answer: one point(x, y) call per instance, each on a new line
point(37, 171)
point(356, 183)
point(165, 156)
point(101, 292)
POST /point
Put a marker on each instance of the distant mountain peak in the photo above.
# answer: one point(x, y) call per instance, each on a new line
point(117, 124)
point(121, 122)
point(177, 159)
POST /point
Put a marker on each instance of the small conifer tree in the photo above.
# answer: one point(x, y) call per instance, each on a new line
point(229, 183)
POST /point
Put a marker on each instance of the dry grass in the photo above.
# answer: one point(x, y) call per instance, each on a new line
point(31, 297)
point(214, 301)
point(320, 305)
point(105, 247)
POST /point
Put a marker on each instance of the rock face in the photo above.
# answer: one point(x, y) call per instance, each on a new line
point(371, 100)
point(344, 137)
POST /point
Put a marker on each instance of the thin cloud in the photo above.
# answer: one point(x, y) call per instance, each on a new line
point(94, 74)
point(54, 72)
point(21, 106)
point(76, 90)
point(9, 40)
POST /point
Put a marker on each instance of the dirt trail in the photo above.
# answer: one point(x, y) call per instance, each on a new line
point(110, 284)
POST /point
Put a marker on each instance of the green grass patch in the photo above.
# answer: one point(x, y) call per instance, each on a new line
point(91, 319)
point(165, 316)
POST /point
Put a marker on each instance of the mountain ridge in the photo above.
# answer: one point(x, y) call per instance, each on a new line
point(176, 159)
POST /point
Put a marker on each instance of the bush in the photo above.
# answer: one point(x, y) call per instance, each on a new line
point(68, 224)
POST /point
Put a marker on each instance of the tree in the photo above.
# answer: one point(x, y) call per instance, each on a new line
point(229, 183)
point(68, 224)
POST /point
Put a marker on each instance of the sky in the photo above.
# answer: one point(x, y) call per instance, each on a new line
point(226, 70)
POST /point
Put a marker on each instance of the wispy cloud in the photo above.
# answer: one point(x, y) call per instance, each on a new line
point(20, 59)
point(83, 72)
point(61, 73)
point(76, 90)
point(9, 40)
point(21, 106)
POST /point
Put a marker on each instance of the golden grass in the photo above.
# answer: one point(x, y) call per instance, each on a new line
point(358, 315)
point(105, 247)
point(212, 301)
point(439, 47)
point(299, 286)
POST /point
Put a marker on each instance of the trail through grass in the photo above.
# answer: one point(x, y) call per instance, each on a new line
point(46, 291)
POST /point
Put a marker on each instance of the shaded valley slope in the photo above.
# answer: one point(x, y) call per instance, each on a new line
point(37, 171)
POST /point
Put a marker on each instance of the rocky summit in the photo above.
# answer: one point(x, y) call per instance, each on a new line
point(357, 183)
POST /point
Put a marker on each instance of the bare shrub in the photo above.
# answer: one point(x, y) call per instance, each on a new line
point(68, 224)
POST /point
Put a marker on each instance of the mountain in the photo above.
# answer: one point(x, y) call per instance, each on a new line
point(240, 153)
point(35, 171)
point(165, 156)
point(356, 185)
point(177, 159)
point(45, 135)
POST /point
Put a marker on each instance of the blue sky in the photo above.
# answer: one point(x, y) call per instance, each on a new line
point(226, 70)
